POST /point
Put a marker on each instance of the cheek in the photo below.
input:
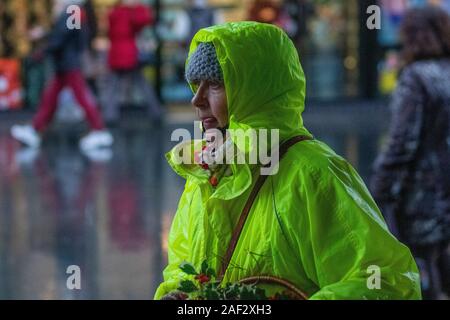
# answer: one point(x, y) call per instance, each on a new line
point(219, 108)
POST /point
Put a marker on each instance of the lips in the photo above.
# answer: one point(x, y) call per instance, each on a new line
point(209, 122)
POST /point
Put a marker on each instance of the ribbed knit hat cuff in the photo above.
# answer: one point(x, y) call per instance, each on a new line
point(203, 65)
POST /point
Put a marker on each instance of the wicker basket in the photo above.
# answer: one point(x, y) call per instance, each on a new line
point(291, 290)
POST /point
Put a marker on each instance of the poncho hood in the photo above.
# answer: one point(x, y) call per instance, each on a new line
point(265, 88)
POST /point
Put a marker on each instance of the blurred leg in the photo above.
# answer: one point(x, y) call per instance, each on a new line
point(435, 275)
point(76, 82)
point(148, 93)
point(427, 261)
point(111, 98)
point(47, 106)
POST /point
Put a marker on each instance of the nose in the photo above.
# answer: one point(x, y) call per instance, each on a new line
point(199, 100)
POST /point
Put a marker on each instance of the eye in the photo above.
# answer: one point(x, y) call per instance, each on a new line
point(216, 85)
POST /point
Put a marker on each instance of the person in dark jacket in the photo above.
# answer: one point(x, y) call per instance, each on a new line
point(90, 58)
point(126, 21)
point(411, 183)
point(65, 46)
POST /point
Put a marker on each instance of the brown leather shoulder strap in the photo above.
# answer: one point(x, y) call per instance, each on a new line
point(248, 205)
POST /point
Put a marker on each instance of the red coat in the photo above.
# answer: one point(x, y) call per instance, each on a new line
point(125, 22)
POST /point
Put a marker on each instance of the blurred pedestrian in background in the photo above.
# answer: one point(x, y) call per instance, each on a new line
point(201, 16)
point(34, 72)
point(126, 20)
point(412, 181)
point(65, 46)
point(90, 59)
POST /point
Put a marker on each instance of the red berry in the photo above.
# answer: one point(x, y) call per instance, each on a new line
point(213, 180)
point(202, 278)
point(205, 166)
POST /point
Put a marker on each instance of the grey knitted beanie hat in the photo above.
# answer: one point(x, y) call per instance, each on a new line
point(203, 65)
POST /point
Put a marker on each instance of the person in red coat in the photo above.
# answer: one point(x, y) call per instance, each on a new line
point(126, 21)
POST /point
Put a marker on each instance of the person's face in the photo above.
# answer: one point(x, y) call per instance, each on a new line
point(210, 102)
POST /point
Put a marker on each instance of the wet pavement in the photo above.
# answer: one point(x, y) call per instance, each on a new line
point(110, 214)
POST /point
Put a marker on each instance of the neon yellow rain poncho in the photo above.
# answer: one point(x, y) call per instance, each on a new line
point(314, 223)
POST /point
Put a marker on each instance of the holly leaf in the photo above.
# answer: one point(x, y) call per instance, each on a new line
point(204, 267)
point(232, 291)
point(246, 293)
point(187, 286)
point(188, 268)
point(260, 294)
point(211, 294)
point(210, 273)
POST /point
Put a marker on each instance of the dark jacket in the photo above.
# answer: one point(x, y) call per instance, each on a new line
point(65, 45)
point(412, 176)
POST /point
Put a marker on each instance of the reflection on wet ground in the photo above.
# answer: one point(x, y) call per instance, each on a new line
point(111, 216)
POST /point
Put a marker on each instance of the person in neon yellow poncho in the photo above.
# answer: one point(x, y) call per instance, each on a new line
point(313, 223)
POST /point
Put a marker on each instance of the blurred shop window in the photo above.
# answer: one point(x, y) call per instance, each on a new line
point(265, 11)
point(200, 16)
point(329, 48)
point(10, 86)
point(22, 24)
point(174, 30)
point(179, 20)
point(388, 72)
point(392, 12)
point(285, 14)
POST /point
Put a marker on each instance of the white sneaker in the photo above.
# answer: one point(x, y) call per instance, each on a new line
point(27, 135)
point(100, 155)
point(96, 139)
point(26, 156)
